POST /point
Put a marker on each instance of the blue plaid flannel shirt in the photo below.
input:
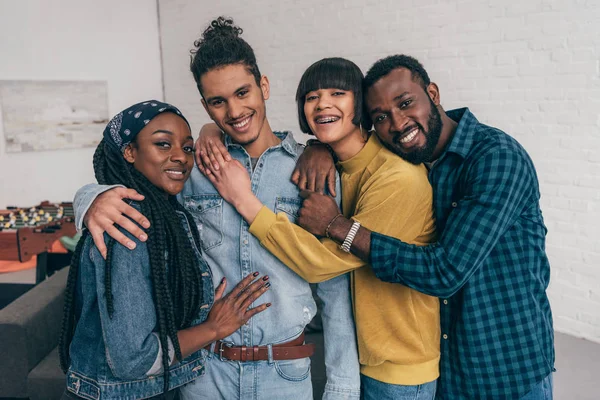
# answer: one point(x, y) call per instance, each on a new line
point(489, 266)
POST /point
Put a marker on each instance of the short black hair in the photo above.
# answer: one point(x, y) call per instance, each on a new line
point(386, 65)
point(331, 73)
point(219, 46)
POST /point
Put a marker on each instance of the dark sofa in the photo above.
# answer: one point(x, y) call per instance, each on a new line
point(29, 331)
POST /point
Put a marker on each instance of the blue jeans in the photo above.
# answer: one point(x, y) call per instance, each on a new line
point(255, 380)
point(541, 390)
point(372, 389)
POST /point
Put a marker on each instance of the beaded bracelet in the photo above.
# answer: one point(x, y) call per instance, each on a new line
point(331, 223)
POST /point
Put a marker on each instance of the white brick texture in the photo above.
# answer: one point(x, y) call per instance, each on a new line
point(531, 68)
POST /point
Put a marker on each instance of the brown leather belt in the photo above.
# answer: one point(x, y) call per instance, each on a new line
point(291, 350)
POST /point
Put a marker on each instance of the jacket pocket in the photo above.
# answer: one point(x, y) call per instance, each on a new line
point(207, 211)
point(288, 205)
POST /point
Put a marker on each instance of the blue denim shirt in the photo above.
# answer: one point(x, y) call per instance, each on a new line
point(232, 252)
point(120, 357)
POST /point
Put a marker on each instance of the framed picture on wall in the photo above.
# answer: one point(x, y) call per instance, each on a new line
point(51, 115)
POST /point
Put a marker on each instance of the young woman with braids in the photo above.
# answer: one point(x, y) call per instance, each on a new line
point(134, 322)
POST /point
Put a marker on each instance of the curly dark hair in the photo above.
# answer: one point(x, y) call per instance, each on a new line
point(177, 291)
point(386, 65)
point(219, 46)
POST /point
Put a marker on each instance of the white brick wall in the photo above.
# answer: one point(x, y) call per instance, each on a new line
point(530, 68)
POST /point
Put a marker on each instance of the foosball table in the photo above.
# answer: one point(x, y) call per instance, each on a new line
point(28, 232)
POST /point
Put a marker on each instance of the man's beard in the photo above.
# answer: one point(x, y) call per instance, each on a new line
point(432, 136)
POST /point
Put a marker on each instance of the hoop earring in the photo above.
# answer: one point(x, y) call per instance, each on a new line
point(362, 135)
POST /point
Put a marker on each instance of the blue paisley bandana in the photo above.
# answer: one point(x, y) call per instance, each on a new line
point(124, 127)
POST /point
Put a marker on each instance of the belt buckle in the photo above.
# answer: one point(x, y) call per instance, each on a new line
point(222, 343)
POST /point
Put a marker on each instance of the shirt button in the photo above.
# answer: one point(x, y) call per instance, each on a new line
point(445, 336)
point(454, 204)
point(445, 301)
point(245, 241)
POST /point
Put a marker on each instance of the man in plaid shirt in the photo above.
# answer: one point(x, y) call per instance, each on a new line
point(489, 266)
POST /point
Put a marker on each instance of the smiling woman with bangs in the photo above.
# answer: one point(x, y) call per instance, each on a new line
point(330, 102)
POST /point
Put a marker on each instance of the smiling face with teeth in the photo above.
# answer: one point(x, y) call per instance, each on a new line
point(329, 98)
point(406, 116)
point(330, 114)
point(236, 104)
point(163, 152)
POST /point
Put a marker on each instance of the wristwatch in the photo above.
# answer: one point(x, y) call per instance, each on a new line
point(350, 237)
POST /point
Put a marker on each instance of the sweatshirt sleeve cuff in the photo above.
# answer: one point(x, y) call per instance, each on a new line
point(263, 222)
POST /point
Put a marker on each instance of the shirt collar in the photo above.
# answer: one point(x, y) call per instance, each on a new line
point(463, 137)
point(360, 160)
point(288, 143)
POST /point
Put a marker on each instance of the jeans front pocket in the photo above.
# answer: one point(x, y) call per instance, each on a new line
point(207, 211)
point(293, 370)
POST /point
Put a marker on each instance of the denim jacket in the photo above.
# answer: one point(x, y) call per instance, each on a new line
point(120, 357)
point(232, 252)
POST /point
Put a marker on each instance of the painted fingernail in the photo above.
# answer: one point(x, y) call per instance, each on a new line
point(268, 304)
point(265, 278)
point(223, 280)
point(268, 284)
point(255, 274)
point(143, 237)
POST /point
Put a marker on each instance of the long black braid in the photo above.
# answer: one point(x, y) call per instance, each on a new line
point(178, 290)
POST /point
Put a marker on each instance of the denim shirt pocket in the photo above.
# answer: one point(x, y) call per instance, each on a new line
point(207, 211)
point(288, 205)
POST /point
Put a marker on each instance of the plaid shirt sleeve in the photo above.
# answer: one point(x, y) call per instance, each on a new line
point(497, 189)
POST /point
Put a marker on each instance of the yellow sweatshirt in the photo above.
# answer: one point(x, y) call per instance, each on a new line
point(398, 328)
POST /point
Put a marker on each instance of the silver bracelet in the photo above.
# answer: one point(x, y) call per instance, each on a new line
point(350, 237)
